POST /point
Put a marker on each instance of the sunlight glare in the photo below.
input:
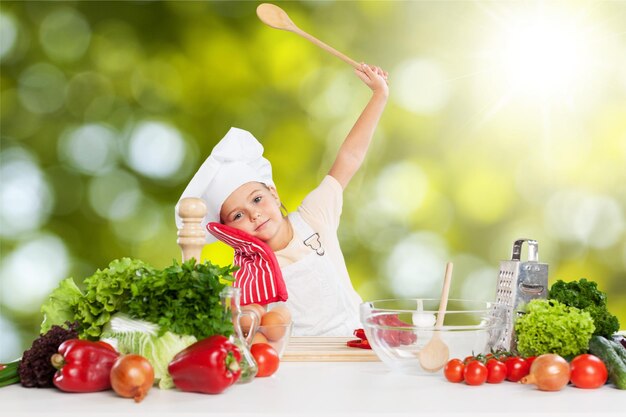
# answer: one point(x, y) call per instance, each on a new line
point(546, 58)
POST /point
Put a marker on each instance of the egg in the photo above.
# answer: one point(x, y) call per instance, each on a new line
point(273, 325)
point(258, 338)
point(248, 313)
point(283, 311)
point(260, 310)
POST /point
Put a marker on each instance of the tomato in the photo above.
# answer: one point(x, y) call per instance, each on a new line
point(530, 360)
point(453, 371)
point(588, 371)
point(496, 371)
point(475, 373)
point(266, 358)
point(469, 359)
point(516, 368)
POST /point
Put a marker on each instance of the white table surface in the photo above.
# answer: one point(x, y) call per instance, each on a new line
point(327, 389)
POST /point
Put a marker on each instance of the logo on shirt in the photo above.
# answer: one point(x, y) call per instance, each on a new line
point(314, 243)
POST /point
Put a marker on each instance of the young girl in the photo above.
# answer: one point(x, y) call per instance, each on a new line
point(236, 184)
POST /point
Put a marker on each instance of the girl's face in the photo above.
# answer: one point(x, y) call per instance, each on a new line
point(255, 209)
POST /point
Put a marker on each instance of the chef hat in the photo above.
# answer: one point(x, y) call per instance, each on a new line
point(236, 160)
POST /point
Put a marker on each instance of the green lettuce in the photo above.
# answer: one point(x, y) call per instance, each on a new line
point(106, 291)
point(142, 338)
point(61, 305)
point(549, 326)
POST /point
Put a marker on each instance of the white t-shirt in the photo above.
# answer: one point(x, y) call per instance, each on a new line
point(321, 210)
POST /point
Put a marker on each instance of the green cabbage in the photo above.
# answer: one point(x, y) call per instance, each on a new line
point(141, 337)
point(552, 327)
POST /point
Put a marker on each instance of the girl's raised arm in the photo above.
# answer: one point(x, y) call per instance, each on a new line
point(352, 152)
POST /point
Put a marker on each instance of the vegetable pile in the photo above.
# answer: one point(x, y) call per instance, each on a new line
point(133, 326)
point(573, 325)
point(143, 310)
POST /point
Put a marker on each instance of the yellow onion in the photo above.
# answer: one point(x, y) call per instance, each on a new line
point(549, 372)
point(132, 376)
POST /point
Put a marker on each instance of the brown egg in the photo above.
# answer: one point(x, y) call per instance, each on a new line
point(259, 309)
point(245, 320)
point(273, 325)
point(258, 338)
point(283, 311)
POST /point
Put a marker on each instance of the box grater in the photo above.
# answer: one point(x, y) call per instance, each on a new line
point(518, 283)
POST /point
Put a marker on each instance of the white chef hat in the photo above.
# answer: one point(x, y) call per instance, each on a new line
point(236, 160)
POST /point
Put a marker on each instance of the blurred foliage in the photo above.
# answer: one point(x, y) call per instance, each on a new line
point(108, 108)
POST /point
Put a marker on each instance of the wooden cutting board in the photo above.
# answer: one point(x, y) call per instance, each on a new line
point(325, 349)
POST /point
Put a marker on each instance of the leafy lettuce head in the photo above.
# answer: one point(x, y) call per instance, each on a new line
point(549, 326)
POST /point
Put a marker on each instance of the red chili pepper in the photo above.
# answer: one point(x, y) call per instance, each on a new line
point(83, 366)
point(210, 365)
point(359, 343)
point(360, 333)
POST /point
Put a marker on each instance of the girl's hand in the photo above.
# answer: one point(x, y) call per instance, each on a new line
point(374, 77)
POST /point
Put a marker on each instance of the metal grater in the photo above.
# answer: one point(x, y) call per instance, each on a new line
point(518, 283)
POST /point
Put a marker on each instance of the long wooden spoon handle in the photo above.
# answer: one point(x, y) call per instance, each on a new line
point(443, 305)
point(326, 47)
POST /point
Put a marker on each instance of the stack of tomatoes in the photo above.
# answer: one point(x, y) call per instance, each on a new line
point(492, 368)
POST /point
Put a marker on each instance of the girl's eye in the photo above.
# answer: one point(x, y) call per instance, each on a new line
point(257, 199)
point(237, 216)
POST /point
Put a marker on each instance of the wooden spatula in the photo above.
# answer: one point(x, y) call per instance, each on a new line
point(276, 17)
point(435, 354)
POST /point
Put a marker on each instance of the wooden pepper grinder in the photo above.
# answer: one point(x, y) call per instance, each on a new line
point(191, 237)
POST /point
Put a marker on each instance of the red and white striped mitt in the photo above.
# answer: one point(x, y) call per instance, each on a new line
point(259, 277)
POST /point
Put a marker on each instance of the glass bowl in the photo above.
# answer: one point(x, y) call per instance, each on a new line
point(398, 329)
point(277, 335)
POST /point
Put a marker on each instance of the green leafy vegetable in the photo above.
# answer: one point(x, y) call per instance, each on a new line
point(584, 295)
point(552, 327)
point(134, 336)
point(184, 299)
point(106, 291)
point(61, 305)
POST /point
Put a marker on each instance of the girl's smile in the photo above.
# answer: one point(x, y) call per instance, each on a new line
point(261, 226)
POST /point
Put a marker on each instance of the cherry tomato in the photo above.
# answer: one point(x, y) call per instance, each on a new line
point(475, 373)
point(453, 371)
point(588, 371)
point(516, 368)
point(496, 371)
point(266, 358)
point(530, 360)
point(469, 359)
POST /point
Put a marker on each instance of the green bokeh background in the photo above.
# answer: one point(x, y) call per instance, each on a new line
point(108, 108)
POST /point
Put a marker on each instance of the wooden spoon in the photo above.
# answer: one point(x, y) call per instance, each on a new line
point(435, 354)
point(276, 17)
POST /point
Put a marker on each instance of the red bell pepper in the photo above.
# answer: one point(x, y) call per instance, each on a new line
point(83, 366)
point(210, 366)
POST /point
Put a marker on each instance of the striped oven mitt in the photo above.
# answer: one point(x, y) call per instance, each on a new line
point(259, 277)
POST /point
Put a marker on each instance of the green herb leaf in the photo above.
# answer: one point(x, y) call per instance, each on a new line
point(184, 299)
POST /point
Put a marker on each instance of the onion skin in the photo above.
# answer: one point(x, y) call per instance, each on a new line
point(549, 372)
point(132, 376)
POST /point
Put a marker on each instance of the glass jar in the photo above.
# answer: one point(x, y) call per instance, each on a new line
point(230, 302)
